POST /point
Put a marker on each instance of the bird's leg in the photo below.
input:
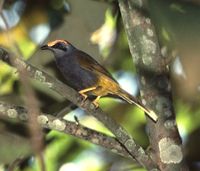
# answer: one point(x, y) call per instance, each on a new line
point(82, 92)
point(95, 101)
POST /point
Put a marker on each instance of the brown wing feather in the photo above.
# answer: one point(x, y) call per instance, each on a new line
point(87, 62)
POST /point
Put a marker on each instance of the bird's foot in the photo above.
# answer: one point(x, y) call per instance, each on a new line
point(82, 99)
point(95, 102)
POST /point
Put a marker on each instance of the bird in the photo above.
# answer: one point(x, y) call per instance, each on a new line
point(84, 74)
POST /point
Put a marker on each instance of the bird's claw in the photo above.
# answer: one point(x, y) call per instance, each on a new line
point(83, 99)
point(96, 104)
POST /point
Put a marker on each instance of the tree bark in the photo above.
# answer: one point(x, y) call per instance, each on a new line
point(165, 141)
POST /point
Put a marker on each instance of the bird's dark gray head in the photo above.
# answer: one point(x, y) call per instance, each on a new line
point(59, 47)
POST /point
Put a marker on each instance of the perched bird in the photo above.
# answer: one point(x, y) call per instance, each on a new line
point(87, 76)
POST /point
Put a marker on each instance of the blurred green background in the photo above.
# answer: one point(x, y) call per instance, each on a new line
point(96, 27)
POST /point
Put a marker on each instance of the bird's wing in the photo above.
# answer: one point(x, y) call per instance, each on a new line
point(88, 63)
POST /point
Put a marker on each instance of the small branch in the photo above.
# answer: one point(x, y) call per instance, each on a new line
point(121, 134)
point(1, 5)
point(50, 122)
point(13, 166)
point(65, 110)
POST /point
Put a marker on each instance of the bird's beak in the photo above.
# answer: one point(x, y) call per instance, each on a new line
point(44, 47)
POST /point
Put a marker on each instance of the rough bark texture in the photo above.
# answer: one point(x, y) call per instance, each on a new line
point(165, 141)
point(19, 113)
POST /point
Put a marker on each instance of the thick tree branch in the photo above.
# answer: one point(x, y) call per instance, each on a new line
point(164, 138)
point(121, 134)
point(19, 113)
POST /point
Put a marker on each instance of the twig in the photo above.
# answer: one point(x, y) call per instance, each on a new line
point(1, 5)
point(50, 122)
point(135, 150)
point(164, 138)
point(65, 110)
point(14, 164)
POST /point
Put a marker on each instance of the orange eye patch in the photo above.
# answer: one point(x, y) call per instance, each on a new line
point(50, 44)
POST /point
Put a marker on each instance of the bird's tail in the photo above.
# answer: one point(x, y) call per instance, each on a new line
point(132, 100)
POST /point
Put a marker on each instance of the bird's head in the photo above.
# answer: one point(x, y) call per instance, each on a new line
point(58, 47)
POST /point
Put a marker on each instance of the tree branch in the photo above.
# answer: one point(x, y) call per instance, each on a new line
point(19, 113)
point(135, 150)
point(155, 87)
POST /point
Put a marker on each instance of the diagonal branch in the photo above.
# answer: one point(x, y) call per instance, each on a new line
point(135, 150)
point(19, 113)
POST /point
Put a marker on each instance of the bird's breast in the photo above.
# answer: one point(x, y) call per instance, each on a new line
point(77, 77)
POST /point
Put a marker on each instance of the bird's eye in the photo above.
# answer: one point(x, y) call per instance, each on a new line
point(60, 46)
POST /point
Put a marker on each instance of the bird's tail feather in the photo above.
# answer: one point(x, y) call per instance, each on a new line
point(132, 100)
